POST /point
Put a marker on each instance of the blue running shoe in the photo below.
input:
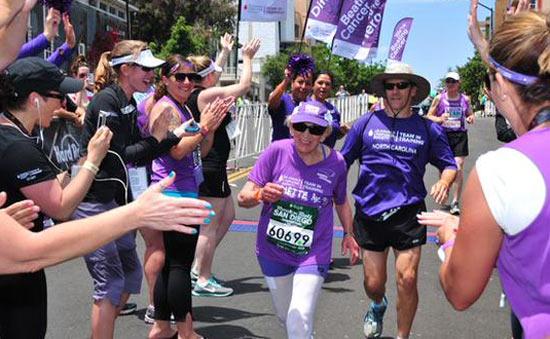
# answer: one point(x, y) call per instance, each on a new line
point(373, 322)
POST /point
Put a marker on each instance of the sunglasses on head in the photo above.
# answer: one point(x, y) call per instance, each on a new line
point(450, 81)
point(388, 86)
point(314, 129)
point(143, 68)
point(193, 77)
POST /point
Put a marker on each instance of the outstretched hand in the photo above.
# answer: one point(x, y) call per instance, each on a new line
point(163, 213)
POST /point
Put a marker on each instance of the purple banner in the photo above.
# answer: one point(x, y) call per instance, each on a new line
point(358, 30)
point(399, 39)
point(323, 19)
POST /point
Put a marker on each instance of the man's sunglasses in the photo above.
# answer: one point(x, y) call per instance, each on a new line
point(193, 77)
point(143, 68)
point(450, 81)
point(314, 129)
point(54, 95)
point(388, 86)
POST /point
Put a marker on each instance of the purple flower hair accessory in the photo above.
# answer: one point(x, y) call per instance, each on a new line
point(62, 5)
point(301, 64)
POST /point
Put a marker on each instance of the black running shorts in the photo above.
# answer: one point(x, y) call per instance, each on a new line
point(459, 143)
point(215, 184)
point(401, 230)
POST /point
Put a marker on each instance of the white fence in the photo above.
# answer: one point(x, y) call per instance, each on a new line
point(255, 125)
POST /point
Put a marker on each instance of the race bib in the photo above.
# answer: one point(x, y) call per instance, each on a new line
point(137, 176)
point(455, 118)
point(291, 227)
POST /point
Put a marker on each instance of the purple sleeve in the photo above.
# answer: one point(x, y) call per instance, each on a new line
point(33, 47)
point(262, 173)
point(441, 155)
point(340, 190)
point(353, 144)
point(61, 54)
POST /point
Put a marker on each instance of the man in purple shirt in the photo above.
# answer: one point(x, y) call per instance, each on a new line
point(393, 146)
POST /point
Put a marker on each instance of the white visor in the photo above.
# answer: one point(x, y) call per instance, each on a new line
point(145, 58)
point(212, 68)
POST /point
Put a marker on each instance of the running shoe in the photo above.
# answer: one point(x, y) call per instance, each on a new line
point(373, 322)
point(455, 209)
point(211, 288)
point(194, 277)
point(149, 317)
point(128, 308)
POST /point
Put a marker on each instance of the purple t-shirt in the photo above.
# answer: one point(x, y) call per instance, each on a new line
point(184, 168)
point(40, 43)
point(278, 116)
point(309, 194)
point(457, 110)
point(393, 154)
point(524, 258)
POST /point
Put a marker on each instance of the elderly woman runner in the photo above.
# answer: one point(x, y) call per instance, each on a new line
point(298, 180)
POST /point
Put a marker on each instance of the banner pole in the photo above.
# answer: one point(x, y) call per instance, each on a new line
point(305, 25)
point(239, 3)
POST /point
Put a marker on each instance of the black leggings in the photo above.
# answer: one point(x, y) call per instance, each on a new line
point(23, 306)
point(173, 286)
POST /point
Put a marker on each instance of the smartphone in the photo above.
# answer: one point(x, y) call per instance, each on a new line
point(102, 119)
point(90, 78)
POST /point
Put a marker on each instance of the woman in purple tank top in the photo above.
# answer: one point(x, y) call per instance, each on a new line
point(172, 288)
point(506, 220)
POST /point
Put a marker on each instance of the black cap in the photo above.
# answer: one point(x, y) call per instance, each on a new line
point(35, 74)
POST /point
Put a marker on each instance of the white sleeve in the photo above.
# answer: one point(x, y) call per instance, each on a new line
point(513, 187)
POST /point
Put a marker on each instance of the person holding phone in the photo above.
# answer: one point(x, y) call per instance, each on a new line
point(31, 89)
point(115, 268)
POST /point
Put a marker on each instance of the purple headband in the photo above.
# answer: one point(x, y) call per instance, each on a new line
point(514, 77)
point(61, 5)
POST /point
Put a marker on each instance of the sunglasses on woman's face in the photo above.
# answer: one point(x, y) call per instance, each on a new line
point(193, 77)
point(313, 129)
point(388, 86)
point(450, 81)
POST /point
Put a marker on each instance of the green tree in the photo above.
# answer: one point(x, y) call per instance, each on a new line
point(351, 73)
point(209, 19)
point(184, 39)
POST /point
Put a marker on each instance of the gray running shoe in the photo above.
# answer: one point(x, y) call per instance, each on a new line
point(211, 288)
point(373, 322)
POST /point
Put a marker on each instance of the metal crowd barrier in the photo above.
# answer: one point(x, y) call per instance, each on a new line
point(254, 124)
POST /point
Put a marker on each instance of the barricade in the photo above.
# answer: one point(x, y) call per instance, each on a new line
point(254, 124)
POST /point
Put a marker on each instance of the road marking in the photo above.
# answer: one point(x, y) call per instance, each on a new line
point(239, 175)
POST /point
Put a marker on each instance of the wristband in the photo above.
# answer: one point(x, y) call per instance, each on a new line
point(346, 234)
point(204, 131)
point(442, 248)
point(90, 167)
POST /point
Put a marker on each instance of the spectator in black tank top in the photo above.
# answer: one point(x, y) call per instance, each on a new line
point(215, 188)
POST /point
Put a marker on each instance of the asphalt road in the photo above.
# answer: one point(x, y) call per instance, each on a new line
point(248, 313)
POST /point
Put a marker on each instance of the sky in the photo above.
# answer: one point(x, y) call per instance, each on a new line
point(438, 39)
